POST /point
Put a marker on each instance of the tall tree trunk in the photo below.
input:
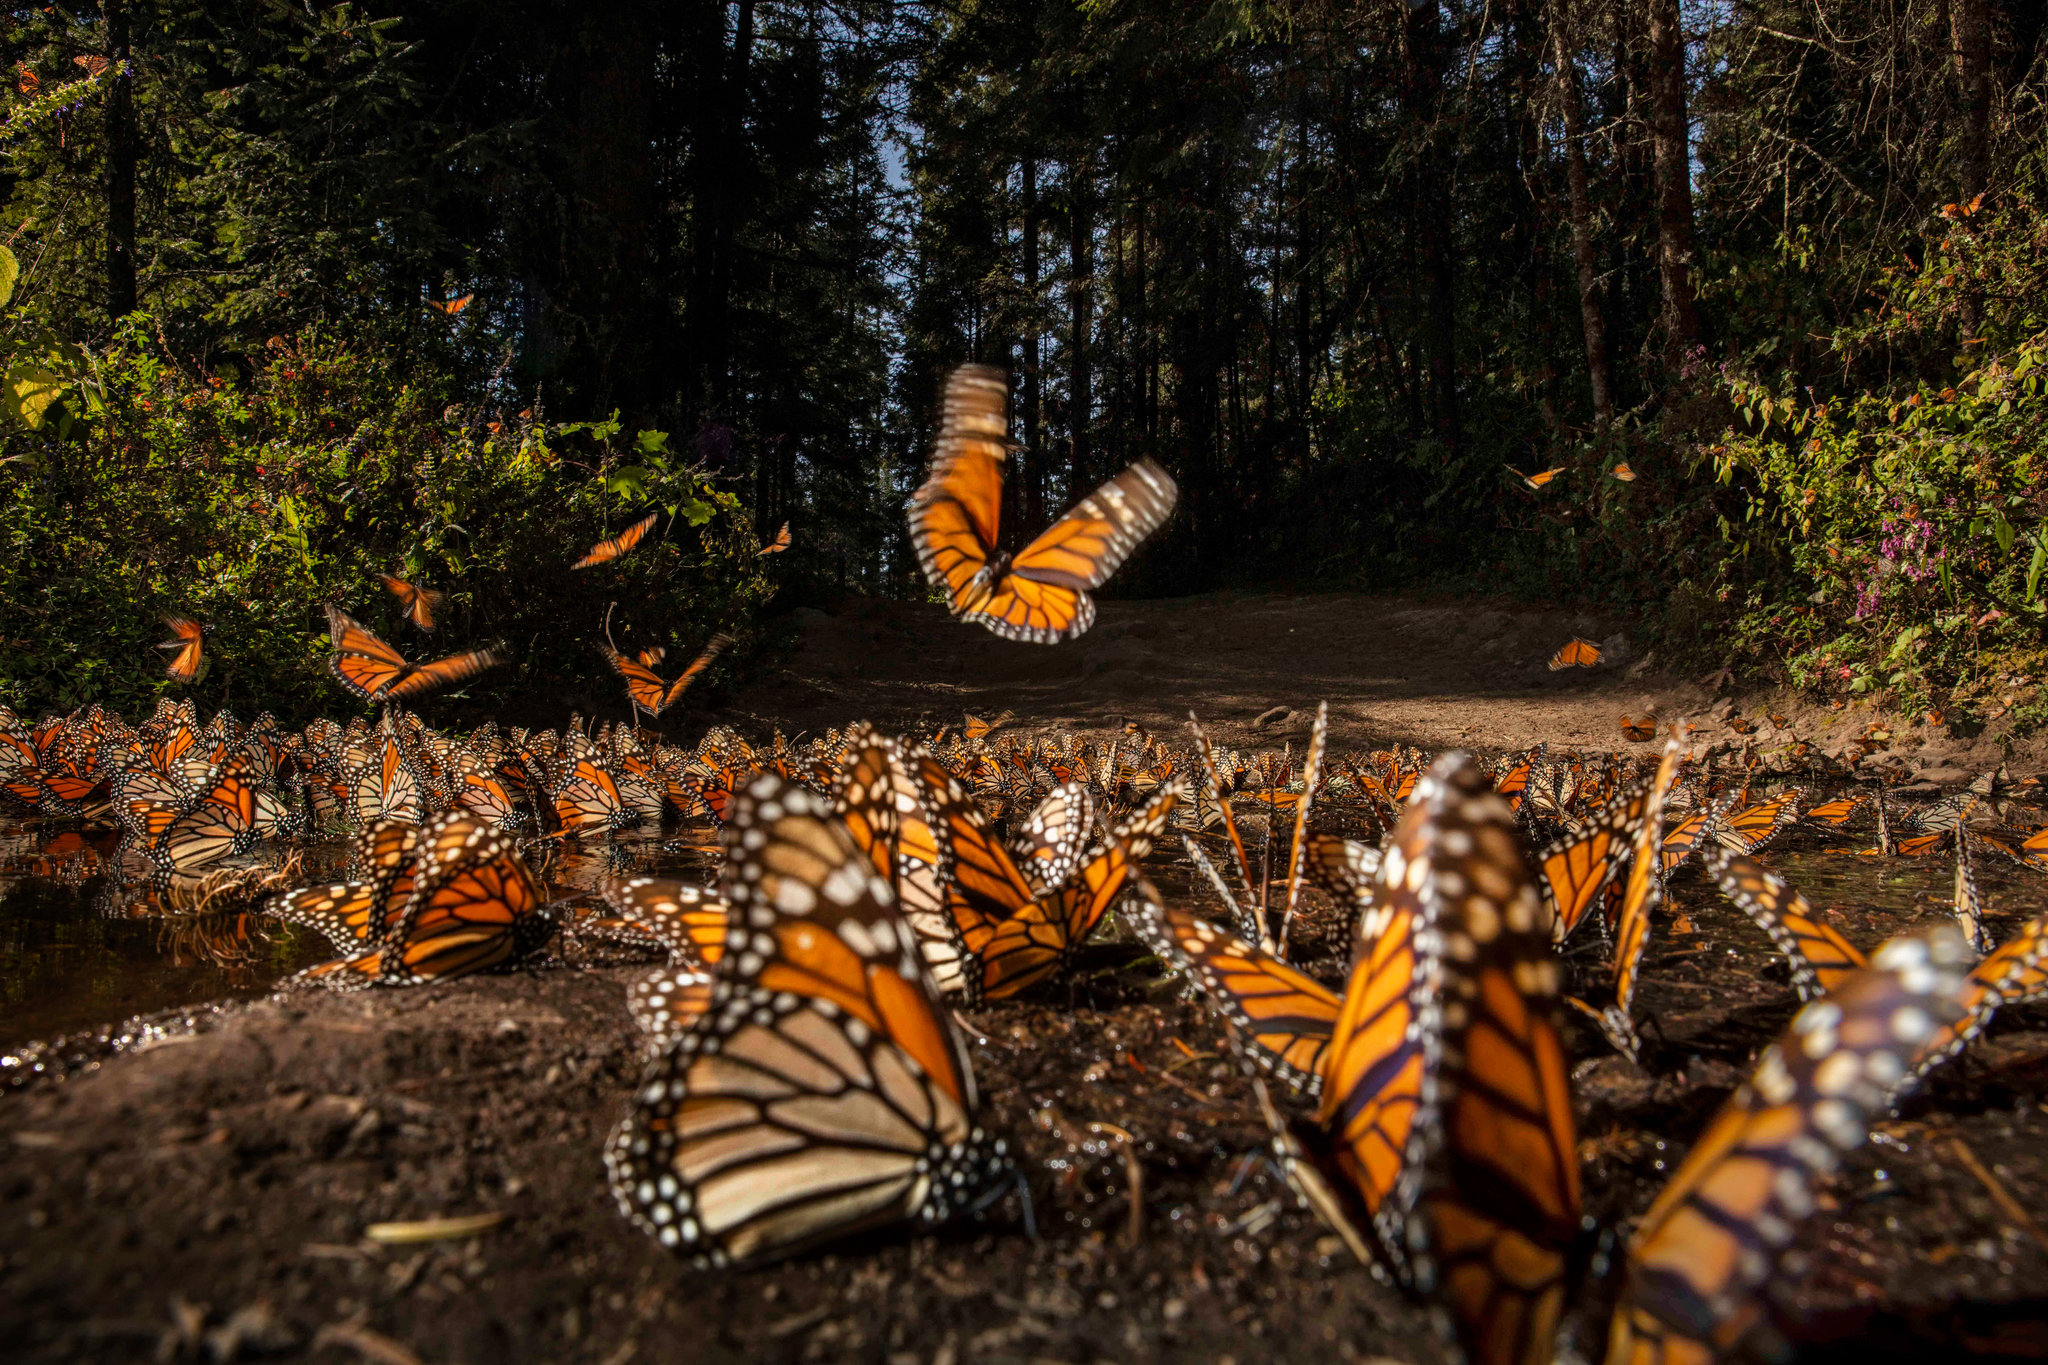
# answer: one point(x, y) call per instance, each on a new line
point(1669, 138)
point(1081, 319)
point(1972, 36)
point(1430, 186)
point(1592, 315)
point(1034, 463)
point(120, 168)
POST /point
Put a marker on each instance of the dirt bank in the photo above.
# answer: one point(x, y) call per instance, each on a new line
point(1436, 674)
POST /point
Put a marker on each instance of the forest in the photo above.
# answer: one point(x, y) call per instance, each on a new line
point(1724, 315)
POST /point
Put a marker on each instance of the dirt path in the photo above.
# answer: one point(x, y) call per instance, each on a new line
point(1435, 674)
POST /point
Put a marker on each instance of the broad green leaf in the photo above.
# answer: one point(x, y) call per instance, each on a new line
point(30, 391)
point(10, 271)
point(651, 442)
point(697, 512)
point(2039, 562)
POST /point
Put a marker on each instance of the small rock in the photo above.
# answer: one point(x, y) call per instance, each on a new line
point(1274, 716)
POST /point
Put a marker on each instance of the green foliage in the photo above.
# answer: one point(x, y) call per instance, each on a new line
point(147, 487)
point(1895, 534)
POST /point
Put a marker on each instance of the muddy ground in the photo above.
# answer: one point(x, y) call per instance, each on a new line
point(207, 1198)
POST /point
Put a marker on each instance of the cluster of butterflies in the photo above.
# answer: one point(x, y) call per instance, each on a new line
point(805, 1081)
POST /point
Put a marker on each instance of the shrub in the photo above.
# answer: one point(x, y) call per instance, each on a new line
point(142, 484)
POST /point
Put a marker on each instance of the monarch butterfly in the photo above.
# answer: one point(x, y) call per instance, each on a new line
point(1277, 1018)
point(416, 602)
point(2034, 851)
point(1624, 473)
point(475, 906)
point(1640, 896)
point(1446, 1081)
point(230, 816)
point(1967, 904)
point(1750, 829)
point(2016, 973)
point(1006, 936)
point(374, 671)
point(1249, 929)
point(1054, 837)
point(486, 796)
point(777, 545)
point(1684, 837)
point(146, 801)
point(1834, 814)
point(1716, 1233)
point(668, 1002)
point(1573, 871)
point(1533, 482)
point(186, 642)
point(588, 800)
point(448, 308)
point(1575, 653)
point(645, 687)
point(1821, 958)
point(687, 922)
point(359, 914)
point(974, 727)
point(1311, 775)
point(1639, 731)
point(1498, 1208)
point(1041, 594)
point(605, 551)
point(823, 1092)
point(384, 784)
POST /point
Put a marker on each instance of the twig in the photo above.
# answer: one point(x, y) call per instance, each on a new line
point(365, 1343)
point(2013, 1210)
point(1134, 1176)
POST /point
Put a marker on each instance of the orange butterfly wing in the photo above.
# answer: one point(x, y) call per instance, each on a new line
point(605, 551)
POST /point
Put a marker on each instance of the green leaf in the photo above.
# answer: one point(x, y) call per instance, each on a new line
point(1903, 646)
point(651, 442)
point(2001, 529)
point(10, 271)
point(2040, 561)
point(629, 483)
point(697, 512)
point(30, 391)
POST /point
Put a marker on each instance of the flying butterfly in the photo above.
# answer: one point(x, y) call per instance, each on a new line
point(187, 637)
point(605, 551)
point(824, 1091)
point(1534, 482)
point(374, 671)
point(1821, 958)
point(974, 727)
point(449, 308)
point(1575, 653)
point(777, 545)
point(645, 687)
point(1039, 595)
point(416, 602)
point(1623, 473)
point(1639, 731)
point(1717, 1233)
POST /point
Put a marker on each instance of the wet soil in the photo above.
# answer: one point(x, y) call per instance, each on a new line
point(207, 1196)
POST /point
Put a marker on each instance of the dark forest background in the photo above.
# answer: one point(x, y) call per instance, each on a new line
point(296, 292)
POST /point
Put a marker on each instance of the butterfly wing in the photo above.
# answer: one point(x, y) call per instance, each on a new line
point(956, 514)
point(1043, 599)
point(643, 685)
point(1821, 958)
point(605, 551)
point(823, 1092)
point(1280, 1020)
point(1716, 1233)
point(712, 649)
point(688, 922)
point(475, 906)
point(1498, 1211)
point(438, 674)
point(187, 637)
